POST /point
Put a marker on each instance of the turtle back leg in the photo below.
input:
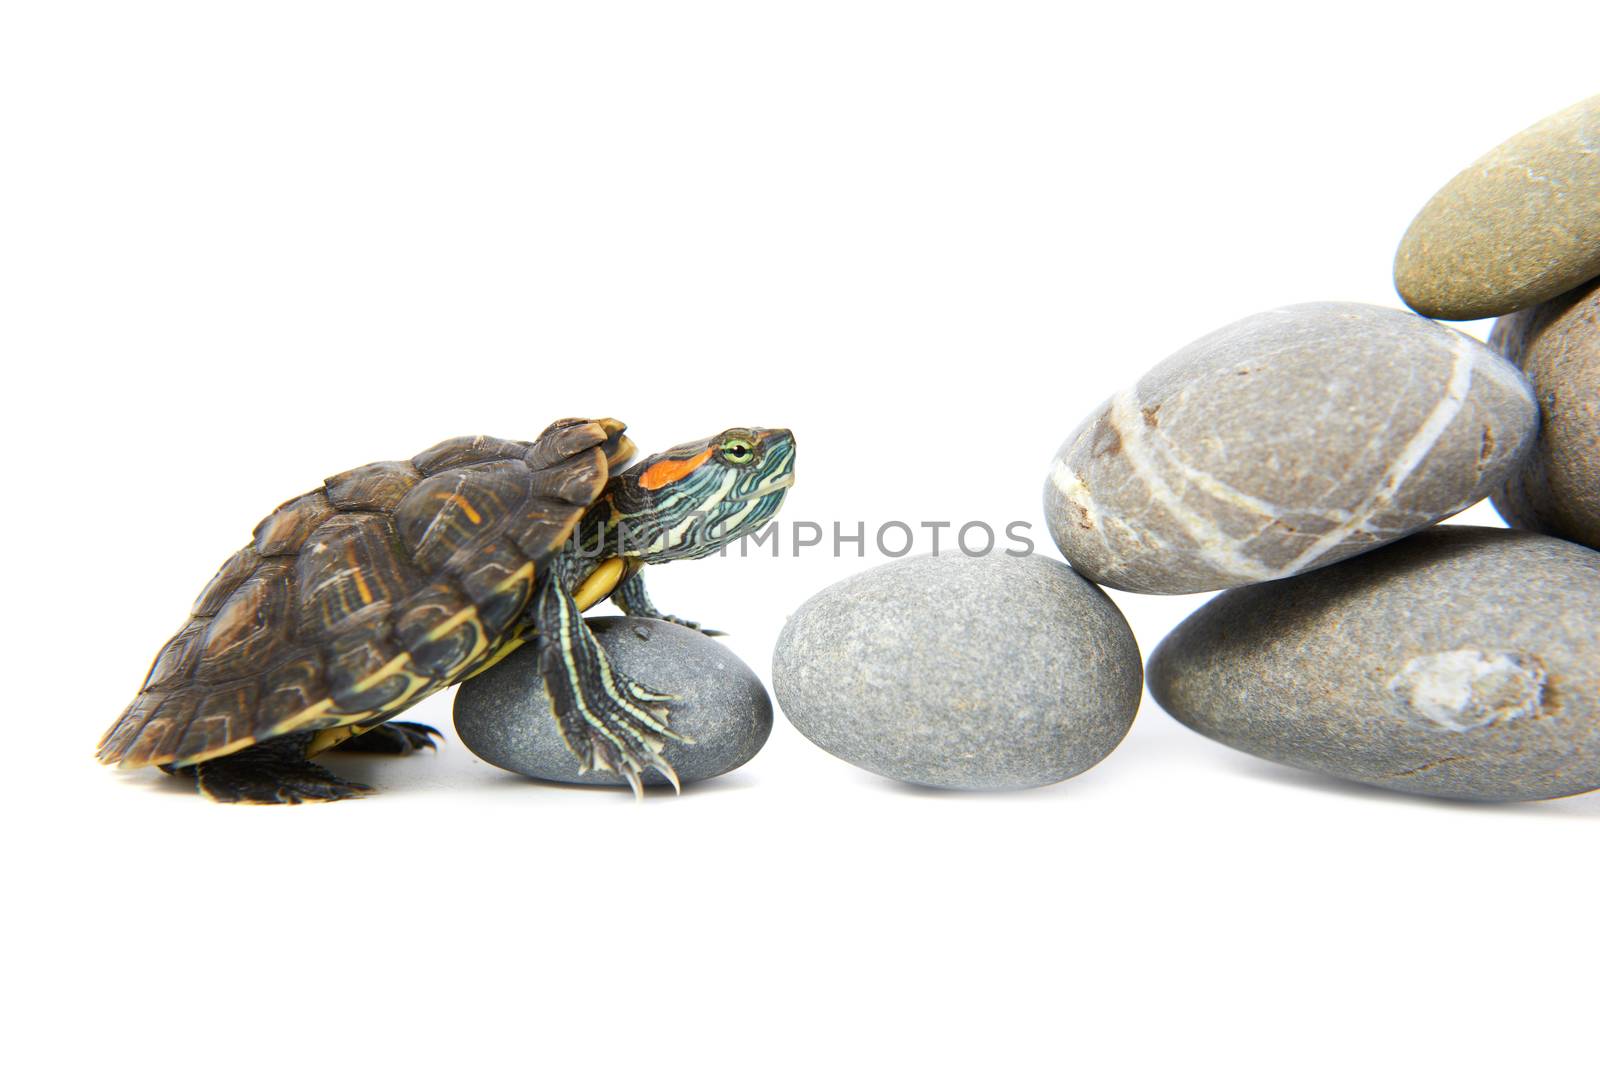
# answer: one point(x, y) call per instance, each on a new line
point(392, 739)
point(274, 772)
point(631, 598)
point(608, 721)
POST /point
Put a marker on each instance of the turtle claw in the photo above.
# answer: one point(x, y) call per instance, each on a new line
point(670, 773)
point(631, 767)
point(692, 625)
point(630, 754)
point(660, 764)
point(393, 739)
point(612, 723)
point(623, 730)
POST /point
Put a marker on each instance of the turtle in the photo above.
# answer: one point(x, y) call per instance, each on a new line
point(398, 579)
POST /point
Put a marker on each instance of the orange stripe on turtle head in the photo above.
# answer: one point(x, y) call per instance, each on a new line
point(666, 472)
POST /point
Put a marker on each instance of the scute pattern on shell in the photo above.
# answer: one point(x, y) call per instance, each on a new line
point(349, 576)
point(373, 488)
point(357, 599)
point(287, 528)
point(446, 517)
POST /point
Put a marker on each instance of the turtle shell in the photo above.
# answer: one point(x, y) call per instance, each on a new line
point(353, 601)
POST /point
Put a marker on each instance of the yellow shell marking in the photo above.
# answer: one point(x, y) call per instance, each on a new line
point(324, 740)
point(507, 647)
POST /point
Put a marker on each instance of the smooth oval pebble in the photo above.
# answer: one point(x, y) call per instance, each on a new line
point(991, 672)
point(1287, 441)
point(504, 715)
point(1463, 662)
point(1519, 226)
point(1556, 490)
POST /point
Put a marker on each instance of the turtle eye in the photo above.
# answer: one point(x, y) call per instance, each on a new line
point(738, 451)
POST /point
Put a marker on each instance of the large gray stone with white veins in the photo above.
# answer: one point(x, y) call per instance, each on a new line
point(1463, 662)
point(1287, 441)
point(1519, 226)
point(504, 715)
point(993, 672)
point(1557, 488)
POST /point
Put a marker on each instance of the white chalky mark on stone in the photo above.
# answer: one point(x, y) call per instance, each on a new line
point(1464, 689)
point(1065, 480)
point(1211, 542)
point(1405, 462)
point(1212, 485)
point(1072, 488)
point(1257, 506)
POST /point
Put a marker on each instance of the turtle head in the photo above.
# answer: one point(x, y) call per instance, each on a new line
point(693, 499)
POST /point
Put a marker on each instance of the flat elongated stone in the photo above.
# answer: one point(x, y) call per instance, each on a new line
point(1557, 489)
point(1518, 227)
point(1463, 662)
point(504, 715)
point(1287, 441)
point(991, 672)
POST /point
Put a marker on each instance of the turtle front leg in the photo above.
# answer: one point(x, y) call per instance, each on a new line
point(630, 596)
point(608, 721)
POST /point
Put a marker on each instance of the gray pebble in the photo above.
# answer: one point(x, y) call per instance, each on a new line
point(991, 672)
point(504, 715)
point(1557, 344)
point(1463, 662)
point(1519, 226)
point(1284, 442)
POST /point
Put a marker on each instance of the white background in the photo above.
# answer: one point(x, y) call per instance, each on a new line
point(245, 247)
